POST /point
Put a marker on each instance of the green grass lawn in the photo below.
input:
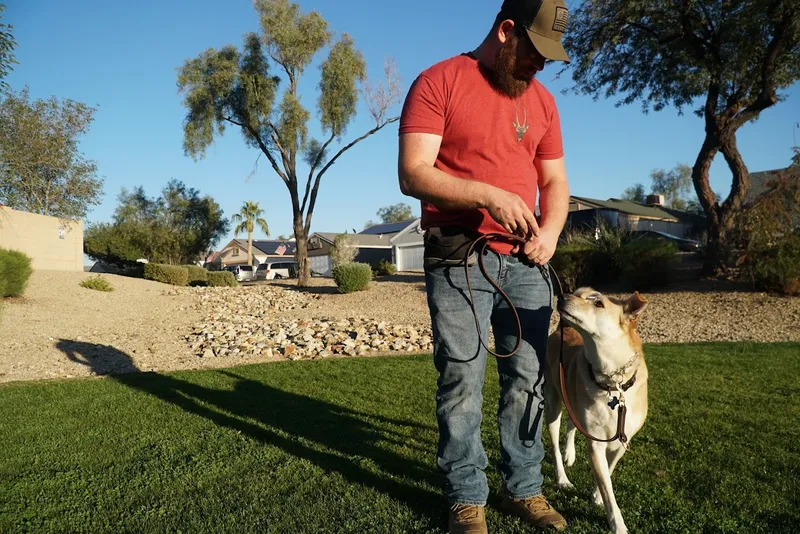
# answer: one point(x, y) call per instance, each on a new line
point(349, 446)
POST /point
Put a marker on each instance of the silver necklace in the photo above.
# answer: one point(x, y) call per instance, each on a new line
point(520, 128)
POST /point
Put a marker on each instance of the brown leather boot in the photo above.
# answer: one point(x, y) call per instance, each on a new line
point(467, 519)
point(536, 511)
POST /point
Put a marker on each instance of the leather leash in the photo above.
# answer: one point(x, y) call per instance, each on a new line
point(484, 240)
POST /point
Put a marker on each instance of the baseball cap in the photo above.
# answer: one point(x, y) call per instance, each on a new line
point(544, 20)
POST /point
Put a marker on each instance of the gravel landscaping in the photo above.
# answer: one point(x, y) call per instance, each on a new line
point(61, 330)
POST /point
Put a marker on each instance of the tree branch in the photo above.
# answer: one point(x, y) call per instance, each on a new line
point(262, 146)
point(766, 96)
point(307, 224)
point(311, 172)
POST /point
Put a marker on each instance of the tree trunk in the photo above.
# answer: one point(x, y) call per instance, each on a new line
point(721, 218)
point(301, 254)
point(250, 248)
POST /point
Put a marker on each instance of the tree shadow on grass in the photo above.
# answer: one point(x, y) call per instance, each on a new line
point(334, 438)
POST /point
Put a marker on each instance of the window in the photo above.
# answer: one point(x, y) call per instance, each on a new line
point(235, 252)
point(61, 232)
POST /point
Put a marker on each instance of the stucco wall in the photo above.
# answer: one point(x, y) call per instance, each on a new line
point(51, 244)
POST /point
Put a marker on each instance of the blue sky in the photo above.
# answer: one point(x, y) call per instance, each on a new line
point(122, 57)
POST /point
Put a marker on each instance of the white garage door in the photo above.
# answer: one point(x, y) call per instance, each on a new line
point(410, 258)
point(321, 265)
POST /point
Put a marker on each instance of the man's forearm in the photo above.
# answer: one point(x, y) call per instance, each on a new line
point(554, 205)
point(444, 191)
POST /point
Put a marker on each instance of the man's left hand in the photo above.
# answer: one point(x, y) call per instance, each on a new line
point(539, 249)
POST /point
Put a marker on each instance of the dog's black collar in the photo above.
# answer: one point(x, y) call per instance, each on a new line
point(624, 387)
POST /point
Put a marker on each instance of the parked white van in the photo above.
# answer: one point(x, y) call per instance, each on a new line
point(271, 270)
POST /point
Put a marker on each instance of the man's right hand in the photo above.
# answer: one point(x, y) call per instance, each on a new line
point(510, 210)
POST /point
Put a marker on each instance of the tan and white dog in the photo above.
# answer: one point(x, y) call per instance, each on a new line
point(603, 370)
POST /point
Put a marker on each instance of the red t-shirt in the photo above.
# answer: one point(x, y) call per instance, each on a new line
point(453, 99)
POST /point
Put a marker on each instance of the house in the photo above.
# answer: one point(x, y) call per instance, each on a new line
point(583, 212)
point(373, 244)
point(51, 243)
point(235, 253)
point(408, 247)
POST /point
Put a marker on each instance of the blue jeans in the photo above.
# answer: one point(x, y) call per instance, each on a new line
point(461, 362)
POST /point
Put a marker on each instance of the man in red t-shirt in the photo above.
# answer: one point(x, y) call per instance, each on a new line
point(480, 140)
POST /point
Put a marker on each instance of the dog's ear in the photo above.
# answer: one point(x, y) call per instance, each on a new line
point(634, 306)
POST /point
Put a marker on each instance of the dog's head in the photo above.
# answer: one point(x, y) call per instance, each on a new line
point(600, 317)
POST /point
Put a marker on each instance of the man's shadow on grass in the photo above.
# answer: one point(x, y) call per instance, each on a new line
point(332, 437)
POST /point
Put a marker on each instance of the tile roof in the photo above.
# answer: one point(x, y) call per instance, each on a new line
point(387, 228)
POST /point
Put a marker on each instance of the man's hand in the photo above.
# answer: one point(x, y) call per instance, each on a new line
point(511, 211)
point(539, 249)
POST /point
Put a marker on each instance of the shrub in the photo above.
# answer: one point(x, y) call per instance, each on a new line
point(15, 270)
point(383, 268)
point(573, 262)
point(351, 277)
point(221, 279)
point(648, 263)
point(343, 250)
point(775, 268)
point(177, 275)
point(98, 283)
point(198, 276)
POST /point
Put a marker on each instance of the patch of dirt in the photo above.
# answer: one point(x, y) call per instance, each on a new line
point(61, 330)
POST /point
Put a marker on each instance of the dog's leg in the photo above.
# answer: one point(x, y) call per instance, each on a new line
point(569, 447)
point(613, 454)
point(552, 409)
point(602, 476)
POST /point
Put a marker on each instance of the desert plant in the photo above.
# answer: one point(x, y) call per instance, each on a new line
point(647, 263)
point(198, 276)
point(221, 279)
point(383, 268)
point(177, 275)
point(572, 262)
point(343, 251)
point(775, 268)
point(15, 271)
point(352, 276)
point(98, 283)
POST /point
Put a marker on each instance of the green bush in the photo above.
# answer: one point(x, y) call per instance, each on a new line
point(383, 268)
point(177, 275)
point(198, 276)
point(221, 279)
point(351, 277)
point(573, 264)
point(98, 283)
point(15, 270)
point(775, 268)
point(647, 263)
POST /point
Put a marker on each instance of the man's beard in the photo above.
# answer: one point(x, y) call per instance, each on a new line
point(504, 75)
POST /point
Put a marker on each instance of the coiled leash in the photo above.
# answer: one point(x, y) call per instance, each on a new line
point(479, 245)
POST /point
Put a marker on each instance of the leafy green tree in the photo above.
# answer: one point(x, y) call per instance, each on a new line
point(395, 213)
point(179, 227)
point(635, 193)
point(41, 169)
point(230, 87)
point(727, 60)
point(248, 217)
point(7, 45)
point(675, 185)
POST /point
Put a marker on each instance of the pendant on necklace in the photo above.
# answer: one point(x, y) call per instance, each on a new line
point(520, 128)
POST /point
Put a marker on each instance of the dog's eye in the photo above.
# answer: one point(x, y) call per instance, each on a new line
point(599, 304)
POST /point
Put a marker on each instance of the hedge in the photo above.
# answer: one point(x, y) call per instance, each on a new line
point(177, 275)
point(221, 279)
point(198, 276)
point(352, 277)
point(15, 271)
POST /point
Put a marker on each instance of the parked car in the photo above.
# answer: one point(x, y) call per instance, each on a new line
point(684, 244)
point(271, 270)
point(242, 273)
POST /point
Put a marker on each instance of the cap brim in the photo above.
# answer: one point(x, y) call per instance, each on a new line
point(550, 49)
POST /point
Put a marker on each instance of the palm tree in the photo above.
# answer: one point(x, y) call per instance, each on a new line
point(247, 218)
